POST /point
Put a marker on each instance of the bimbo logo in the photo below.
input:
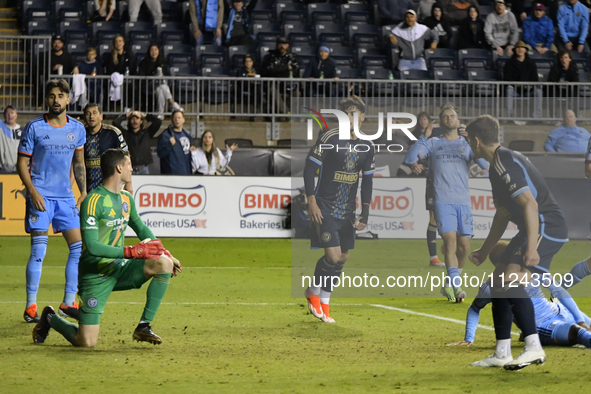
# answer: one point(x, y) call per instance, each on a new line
point(345, 124)
point(391, 203)
point(170, 200)
point(264, 200)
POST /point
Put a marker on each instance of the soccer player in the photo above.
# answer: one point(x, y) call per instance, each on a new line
point(52, 145)
point(106, 265)
point(520, 195)
point(331, 204)
point(449, 168)
point(556, 324)
point(99, 138)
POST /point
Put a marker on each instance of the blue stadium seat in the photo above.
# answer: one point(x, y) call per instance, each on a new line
point(482, 89)
point(349, 73)
point(543, 75)
point(474, 58)
point(175, 59)
point(77, 36)
point(361, 53)
point(306, 50)
point(449, 89)
point(172, 11)
point(293, 16)
point(37, 28)
point(137, 26)
point(215, 90)
point(287, 6)
point(237, 53)
point(330, 33)
point(544, 64)
point(581, 60)
point(263, 27)
point(441, 58)
point(354, 13)
point(261, 16)
point(136, 36)
point(342, 56)
point(181, 49)
point(298, 29)
point(384, 89)
point(76, 48)
point(103, 50)
point(29, 6)
point(264, 5)
point(66, 4)
point(536, 55)
point(109, 26)
point(184, 90)
point(169, 29)
point(36, 15)
point(68, 14)
point(268, 39)
point(394, 57)
point(415, 89)
point(68, 26)
point(106, 37)
point(322, 12)
point(173, 38)
point(202, 50)
point(363, 33)
point(262, 51)
point(140, 48)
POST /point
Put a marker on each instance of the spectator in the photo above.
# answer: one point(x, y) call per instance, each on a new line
point(153, 5)
point(424, 10)
point(569, 137)
point(471, 32)
point(90, 66)
point(249, 91)
point(152, 65)
point(438, 23)
point(208, 158)
point(520, 68)
point(282, 63)
point(248, 68)
point(456, 10)
point(521, 9)
point(410, 36)
point(8, 150)
point(61, 61)
point(207, 17)
point(321, 67)
point(538, 30)
point(121, 59)
point(10, 117)
point(573, 26)
point(393, 11)
point(174, 147)
point(424, 126)
point(562, 72)
point(104, 10)
point(138, 138)
point(500, 29)
point(239, 24)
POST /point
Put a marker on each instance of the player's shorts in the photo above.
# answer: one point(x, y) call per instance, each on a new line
point(547, 248)
point(94, 289)
point(454, 217)
point(333, 232)
point(63, 215)
point(554, 331)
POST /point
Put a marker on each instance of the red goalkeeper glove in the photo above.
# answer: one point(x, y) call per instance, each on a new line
point(177, 267)
point(144, 250)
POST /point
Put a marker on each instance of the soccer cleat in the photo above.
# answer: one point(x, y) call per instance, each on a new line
point(69, 311)
point(435, 262)
point(41, 329)
point(326, 316)
point(528, 357)
point(30, 314)
point(314, 304)
point(448, 292)
point(459, 294)
point(146, 335)
point(492, 361)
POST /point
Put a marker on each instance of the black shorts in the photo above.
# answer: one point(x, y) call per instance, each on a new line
point(430, 196)
point(333, 232)
point(547, 248)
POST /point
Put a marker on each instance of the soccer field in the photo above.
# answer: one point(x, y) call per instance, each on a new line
point(229, 325)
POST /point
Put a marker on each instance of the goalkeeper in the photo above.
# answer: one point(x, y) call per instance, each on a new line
point(106, 265)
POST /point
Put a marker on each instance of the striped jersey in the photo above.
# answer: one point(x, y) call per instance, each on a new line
point(51, 150)
point(108, 137)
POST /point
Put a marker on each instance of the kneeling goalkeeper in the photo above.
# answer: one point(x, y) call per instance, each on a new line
point(106, 265)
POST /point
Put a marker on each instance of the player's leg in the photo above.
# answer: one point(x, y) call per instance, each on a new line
point(336, 259)
point(453, 280)
point(465, 233)
point(37, 224)
point(432, 241)
point(578, 272)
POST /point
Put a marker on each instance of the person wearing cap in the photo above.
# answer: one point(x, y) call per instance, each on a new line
point(138, 138)
point(207, 18)
point(392, 11)
point(501, 30)
point(281, 63)
point(439, 24)
point(410, 37)
point(573, 26)
point(456, 10)
point(520, 68)
point(239, 24)
point(61, 61)
point(538, 30)
point(321, 67)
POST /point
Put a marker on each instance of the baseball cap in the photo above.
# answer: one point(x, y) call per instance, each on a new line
point(411, 12)
point(324, 48)
point(539, 6)
point(500, 1)
point(282, 40)
point(58, 37)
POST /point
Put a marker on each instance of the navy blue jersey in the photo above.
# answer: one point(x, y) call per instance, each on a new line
point(338, 179)
point(108, 137)
point(512, 174)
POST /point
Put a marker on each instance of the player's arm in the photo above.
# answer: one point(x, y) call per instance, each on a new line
point(79, 169)
point(420, 150)
point(588, 160)
point(142, 231)
point(497, 229)
point(25, 152)
point(532, 226)
point(551, 141)
point(155, 124)
point(366, 191)
point(473, 315)
point(566, 299)
point(313, 163)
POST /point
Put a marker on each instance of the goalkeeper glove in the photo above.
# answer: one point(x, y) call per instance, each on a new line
point(144, 250)
point(177, 267)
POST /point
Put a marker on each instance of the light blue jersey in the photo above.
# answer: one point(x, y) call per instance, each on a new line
point(449, 167)
point(51, 150)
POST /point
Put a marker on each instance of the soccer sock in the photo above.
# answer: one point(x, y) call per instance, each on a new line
point(502, 316)
point(584, 337)
point(155, 292)
point(72, 273)
point(38, 249)
point(523, 310)
point(324, 297)
point(578, 272)
point(321, 271)
point(432, 240)
point(64, 327)
point(532, 342)
point(503, 348)
point(453, 273)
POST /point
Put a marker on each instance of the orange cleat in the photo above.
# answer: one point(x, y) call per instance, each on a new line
point(435, 262)
point(326, 316)
point(30, 314)
point(69, 311)
point(314, 304)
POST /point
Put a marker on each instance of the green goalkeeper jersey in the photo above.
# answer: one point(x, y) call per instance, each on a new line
point(104, 217)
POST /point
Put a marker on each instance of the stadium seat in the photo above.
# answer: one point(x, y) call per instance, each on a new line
point(268, 39)
point(261, 16)
point(330, 33)
point(109, 26)
point(67, 14)
point(299, 29)
point(184, 90)
point(287, 6)
point(394, 57)
point(216, 90)
point(415, 89)
point(140, 48)
point(176, 59)
point(136, 36)
point(322, 12)
point(172, 11)
point(485, 10)
point(522, 145)
point(346, 89)
point(201, 51)
point(173, 38)
point(543, 75)
point(168, 29)
point(482, 89)
point(581, 60)
point(449, 89)
point(304, 51)
point(262, 51)
point(106, 37)
point(363, 34)
point(36, 15)
point(381, 89)
point(236, 55)
point(68, 26)
point(362, 53)
point(76, 49)
point(293, 16)
point(354, 13)
point(66, 4)
point(37, 28)
point(241, 142)
point(263, 27)
point(544, 64)
point(76, 36)
point(349, 73)
point(288, 143)
point(474, 58)
point(342, 56)
point(440, 58)
point(29, 6)
point(137, 26)
point(536, 55)
point(102, 51)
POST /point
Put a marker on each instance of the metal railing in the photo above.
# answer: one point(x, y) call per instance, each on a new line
point(273, 99)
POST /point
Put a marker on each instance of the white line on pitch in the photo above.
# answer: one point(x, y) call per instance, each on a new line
point(190, 303)
point(184, 268)
point(449, 319)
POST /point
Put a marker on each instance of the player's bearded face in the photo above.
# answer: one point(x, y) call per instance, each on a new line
point(57, 101)
point(353, 112)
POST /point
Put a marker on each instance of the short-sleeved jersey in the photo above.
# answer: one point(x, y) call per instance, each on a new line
point(51, 150)
point(108, 214)
point(340, 165)
point(512, 174)
point(449, 167)
point(108, 137)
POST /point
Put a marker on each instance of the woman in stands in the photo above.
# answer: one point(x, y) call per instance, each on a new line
point(471, 33)
point(120, 64)
point(564, 71)
point(153, 65)
point(208, 159)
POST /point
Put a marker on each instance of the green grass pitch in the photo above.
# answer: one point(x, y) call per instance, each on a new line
point(238, 330)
